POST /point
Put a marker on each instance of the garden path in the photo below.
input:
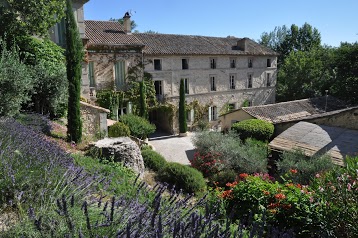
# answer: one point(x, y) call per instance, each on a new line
point(172, 147)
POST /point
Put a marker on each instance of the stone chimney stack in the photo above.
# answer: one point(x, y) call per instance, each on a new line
point(127, 23)
point(242, 44)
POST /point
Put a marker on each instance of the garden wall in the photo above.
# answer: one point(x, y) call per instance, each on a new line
point(94, 119)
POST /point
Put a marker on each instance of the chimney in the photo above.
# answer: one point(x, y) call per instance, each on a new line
point(242, 44)
point(127, 23)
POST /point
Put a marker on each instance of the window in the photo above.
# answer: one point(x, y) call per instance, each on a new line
point(250, 63)
point(92, 83)
point(232, 63)
point(232, 81)
point(212, 113)
point(268, 62)
point(249, 81)
point(186, 85)
point(231, 106)
point(268, 80)
point(184, 63)
point(158, 88)
point(119, 74)
point(157, 64)
point(212, 83)
point(213, 63)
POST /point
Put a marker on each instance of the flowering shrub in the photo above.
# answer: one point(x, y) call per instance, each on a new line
point(339, 188)
point(286, 206)
point(209, 164)
point(296, 166)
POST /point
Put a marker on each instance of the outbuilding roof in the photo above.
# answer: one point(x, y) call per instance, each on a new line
point(296, 110)
point(315, 139)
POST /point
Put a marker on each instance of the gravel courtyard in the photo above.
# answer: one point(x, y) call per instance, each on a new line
point(172, 147)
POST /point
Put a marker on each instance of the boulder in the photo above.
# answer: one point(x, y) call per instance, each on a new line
point(121, 149)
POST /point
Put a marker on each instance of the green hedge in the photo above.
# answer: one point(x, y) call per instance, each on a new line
point(138, 126)
point(183, 177)
point(254, 128)
point(153, 160)
point(118, 129)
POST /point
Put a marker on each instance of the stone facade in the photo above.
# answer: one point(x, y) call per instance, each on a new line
point(103, 69)
point(94, 119)
point(199, 76)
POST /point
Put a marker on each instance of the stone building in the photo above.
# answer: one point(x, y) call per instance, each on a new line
point(219, 72)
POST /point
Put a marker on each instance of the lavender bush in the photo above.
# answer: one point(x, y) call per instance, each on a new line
point(56, 197)
point(36, 170)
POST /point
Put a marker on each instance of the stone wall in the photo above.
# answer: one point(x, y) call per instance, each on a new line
point(104, 70)
point(94, 119)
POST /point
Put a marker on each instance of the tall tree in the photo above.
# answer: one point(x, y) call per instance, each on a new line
point(285, 40)
point(345, 68)
point(182, 110)
point(31, 17)
point(304, 74)
point(74, 55)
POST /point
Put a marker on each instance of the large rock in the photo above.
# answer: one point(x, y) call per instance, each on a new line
point(121, 149)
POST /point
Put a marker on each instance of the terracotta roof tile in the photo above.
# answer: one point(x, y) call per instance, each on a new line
point(170, 44)
point(295, 110)
point(108, 33)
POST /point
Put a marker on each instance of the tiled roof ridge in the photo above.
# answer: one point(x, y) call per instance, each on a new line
point(172, 34)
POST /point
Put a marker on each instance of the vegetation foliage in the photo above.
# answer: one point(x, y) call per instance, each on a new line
point(153, 160)
point(74, 55)
point(254, 128)
point(138, 126)
point(118, 129)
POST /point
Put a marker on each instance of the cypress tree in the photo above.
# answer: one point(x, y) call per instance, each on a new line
point(143, 105)
point(182, 110)
point(74, 55)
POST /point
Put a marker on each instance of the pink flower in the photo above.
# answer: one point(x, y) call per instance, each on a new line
point(317, 175)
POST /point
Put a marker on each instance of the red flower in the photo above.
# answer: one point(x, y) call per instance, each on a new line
point(243, 175)
point(294, 171)
point(280, 196)
point(231, 184)
point(227, 194)
point(266, 192)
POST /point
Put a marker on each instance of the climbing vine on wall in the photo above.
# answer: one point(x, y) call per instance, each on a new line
point(200, 110)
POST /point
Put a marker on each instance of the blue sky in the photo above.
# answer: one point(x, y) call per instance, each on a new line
point(337, 21)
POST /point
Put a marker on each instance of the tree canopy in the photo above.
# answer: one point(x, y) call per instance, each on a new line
point(31, 17)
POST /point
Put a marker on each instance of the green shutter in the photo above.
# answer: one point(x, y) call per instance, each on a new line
point(92, 83)
point(119, 71)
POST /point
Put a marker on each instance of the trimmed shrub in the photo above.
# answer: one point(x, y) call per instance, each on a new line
point(182, 177)
point(153, 160)
point(299, 168)
point(138, 126)
point(118, 129)
point(254, 128)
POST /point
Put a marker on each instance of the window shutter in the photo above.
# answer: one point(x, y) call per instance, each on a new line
point(216, 113)
point(192, 115)
point(129, 108)
point(91, 75)
point(210, 114)
point(119, 74)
